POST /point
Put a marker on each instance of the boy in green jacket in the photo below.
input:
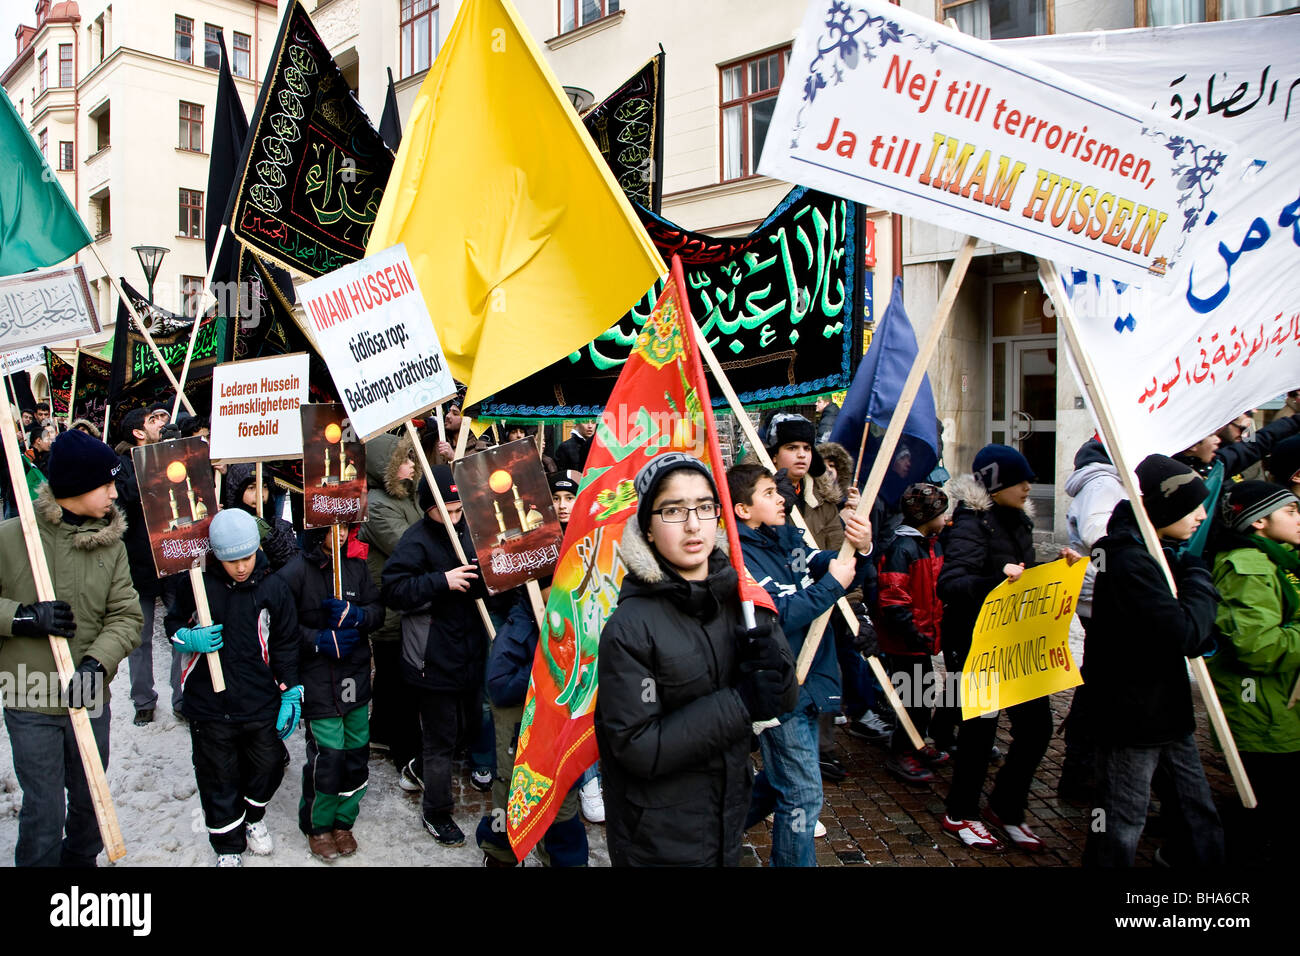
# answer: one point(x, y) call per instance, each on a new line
point(97, 610)
point(1259, 663)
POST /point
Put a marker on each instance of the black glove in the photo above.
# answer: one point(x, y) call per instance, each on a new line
point(43, 619)
point(864, 642)
point(86, 685)
point(759, 646)
point(169, 432)
point(761, 689)
point(786, 487)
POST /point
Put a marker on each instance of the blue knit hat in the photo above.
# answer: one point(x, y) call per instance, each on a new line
point(1001, 466)
point(233, 534)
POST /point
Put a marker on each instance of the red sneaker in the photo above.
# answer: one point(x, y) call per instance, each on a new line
point(972, 833)
point(933, 756)
point(1020, 834)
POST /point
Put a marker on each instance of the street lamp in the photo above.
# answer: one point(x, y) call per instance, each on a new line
point(580, 98)
point(151, 258)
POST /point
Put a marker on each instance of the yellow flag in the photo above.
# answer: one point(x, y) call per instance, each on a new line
point(524, 245)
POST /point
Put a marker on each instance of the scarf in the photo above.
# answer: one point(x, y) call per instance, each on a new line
point(1287, 561)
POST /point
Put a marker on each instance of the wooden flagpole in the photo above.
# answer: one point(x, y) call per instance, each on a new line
point(446, 518)
point(336, 556)
point(885, 455)
point(1055, 289)
point(205, 620)
point(139, 324)
point(194, 331)
point(105, 813)
point(760, 450)
point(108, 407)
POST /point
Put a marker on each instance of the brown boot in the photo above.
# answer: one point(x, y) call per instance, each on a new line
point(345, 841)
point(323, 847)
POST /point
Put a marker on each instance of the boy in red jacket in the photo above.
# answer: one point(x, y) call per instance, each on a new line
point(907, 618)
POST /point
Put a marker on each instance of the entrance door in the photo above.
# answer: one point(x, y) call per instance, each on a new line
point(1023, 385)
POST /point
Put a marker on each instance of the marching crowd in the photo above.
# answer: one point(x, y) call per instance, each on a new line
point(692, 699)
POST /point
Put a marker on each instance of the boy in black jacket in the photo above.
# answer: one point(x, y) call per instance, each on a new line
point(1135, 664)
point(334, 662)
point(238, 757)
point(444, 642)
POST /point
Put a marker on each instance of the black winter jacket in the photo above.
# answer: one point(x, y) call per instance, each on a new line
point(331, 687)
point(279, 542)
point(510, 662)
point(138, 553)
point(444, 643)
point(572, 453)
point(982, 538)
point(1140, 637)
point(259, 652)
point(673, 732)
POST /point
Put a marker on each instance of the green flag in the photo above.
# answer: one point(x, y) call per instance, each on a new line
point(38, 225)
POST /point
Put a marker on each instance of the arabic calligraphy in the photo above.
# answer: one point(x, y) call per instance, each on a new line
point(1228, 105)
point(43, 307)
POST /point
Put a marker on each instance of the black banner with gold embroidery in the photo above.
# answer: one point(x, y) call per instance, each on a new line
point(627, 127)
point(313, 168)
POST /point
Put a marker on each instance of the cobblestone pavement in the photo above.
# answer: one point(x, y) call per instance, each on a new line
point(872, 818)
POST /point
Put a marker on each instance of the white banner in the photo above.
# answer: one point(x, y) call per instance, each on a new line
point(256, 409)
point(371, 326)
point(892, 109)
point(45, 305)
point(13, 362)
point(1177, 361)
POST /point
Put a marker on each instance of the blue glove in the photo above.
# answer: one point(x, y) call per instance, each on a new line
point(337, 644)
point(286, 722)
point(198, 640)
point(343, 613)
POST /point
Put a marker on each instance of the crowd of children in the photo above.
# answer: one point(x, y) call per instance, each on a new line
point(390, 651)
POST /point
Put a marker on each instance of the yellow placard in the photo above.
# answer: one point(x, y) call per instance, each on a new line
point(1020, 649)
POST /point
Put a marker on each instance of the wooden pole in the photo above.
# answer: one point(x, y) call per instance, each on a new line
point(336, 559)
point(751, 436)
point(885, 456)
point(535, 598)
point(462, 437)
point(139, 324)
point(446, 518)
point(105, 813)
point(205, 620)
point(216, 486)
point(257, 480)
point(198, 320)
point(9, 415)
point(862, 450)
point(1055, 289)
point(107, 408)
point(442, 426)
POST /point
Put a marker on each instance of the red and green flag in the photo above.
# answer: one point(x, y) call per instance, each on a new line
point(660, 405)
point(38, 224)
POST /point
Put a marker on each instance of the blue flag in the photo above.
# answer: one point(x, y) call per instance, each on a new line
point(873, 396)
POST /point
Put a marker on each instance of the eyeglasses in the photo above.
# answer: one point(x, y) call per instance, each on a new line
point(676, 514)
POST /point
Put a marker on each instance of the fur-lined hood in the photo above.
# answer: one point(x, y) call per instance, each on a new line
point(91, 426)
point(970, 491)
point(837, 456)
point(97, 533)
point(640, 558)
point(384, 456)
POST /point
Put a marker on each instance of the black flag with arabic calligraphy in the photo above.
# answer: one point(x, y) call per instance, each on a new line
point(780, 307)
point(313, 169)
point(92, 374)
point(60, 376)
point(627, 127)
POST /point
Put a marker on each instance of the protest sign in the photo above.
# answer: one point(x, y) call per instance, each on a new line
point(333, 468)
point(1020, 648)
point(179, 500)
point(21, 360)
point(893, 109)
point(370, 324)
point(45, 305)
point(507, 503)
point(256, 409)
point(1178, 361)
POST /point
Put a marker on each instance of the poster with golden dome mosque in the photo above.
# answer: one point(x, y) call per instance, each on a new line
point(333, 468)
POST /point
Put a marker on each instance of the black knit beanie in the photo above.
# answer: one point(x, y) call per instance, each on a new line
point(1170, 489)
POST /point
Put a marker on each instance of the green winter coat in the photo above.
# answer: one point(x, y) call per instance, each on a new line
point(1255, 672)
point(390, 509)
point(90, 572)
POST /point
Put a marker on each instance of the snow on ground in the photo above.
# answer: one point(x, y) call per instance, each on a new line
point(151, 777)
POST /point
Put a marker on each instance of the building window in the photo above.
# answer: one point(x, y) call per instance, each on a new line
point(191, 127)
point(99, 37)
point(578, 13)
point(999, 19)
point(419, 35)
point(45, 143)
point(65, 64)
point(192, 213)
point(191, 294)
point(65, 154)
point(101, 206)
point(1170, 13)
point(748, 99)
point(211, 47)
point(101, 127)
point(43, 60)
point(185, 39)
point(242, 64)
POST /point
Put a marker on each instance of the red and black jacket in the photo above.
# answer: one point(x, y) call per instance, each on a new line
point(908, 611)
